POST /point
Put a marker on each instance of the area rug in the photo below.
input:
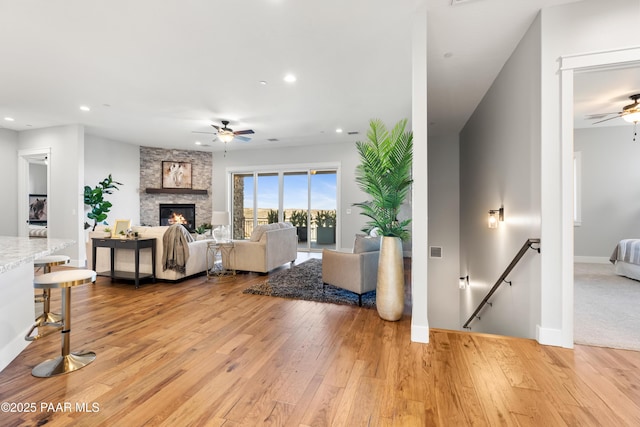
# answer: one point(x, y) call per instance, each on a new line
point(304, 281)
point(606, 306)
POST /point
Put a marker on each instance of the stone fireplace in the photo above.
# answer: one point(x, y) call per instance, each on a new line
point(153, 195)
point(178, 213)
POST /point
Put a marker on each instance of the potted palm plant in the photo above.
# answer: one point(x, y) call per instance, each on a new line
point(384, 173)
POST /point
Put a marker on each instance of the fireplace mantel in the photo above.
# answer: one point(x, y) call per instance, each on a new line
point(175, 191)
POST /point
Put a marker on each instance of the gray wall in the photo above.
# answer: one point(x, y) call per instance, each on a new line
point(105, 156)
point(444, 231)
point(500, 166)
point(610, 189)
point(343, 154)
point(8, 176)
point(37, 178)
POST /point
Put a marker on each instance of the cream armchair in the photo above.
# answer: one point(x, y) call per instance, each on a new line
point(356, 272)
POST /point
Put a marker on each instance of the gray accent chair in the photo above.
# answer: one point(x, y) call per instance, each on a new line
point(356, 272)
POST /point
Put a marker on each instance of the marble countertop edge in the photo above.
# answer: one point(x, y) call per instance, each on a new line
point(15, 251)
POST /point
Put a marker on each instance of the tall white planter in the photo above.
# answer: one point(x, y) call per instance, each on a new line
point(390, 289)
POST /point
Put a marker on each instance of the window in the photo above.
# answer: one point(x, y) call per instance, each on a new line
point(307, 198)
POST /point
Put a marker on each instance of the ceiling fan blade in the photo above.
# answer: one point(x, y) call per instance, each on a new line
point(242, 138)
point(598, 116)
point(216, 127)
point(243, 132)
point(606, 120)
point(208, 133)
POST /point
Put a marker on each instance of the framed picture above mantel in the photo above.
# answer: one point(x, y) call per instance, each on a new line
point(176, 175)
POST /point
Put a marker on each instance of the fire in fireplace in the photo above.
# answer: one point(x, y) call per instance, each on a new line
point(178, 214)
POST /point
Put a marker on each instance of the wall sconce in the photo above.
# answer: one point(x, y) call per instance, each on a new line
point(495, 215)
point(464, 282)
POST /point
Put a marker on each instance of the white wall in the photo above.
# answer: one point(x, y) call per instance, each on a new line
point(105, 156)
point(65, 201)
point(576, 28)
point(610, 189)
point(444, 231)
point(500, 167)
point(343, 154)
point(8, 176)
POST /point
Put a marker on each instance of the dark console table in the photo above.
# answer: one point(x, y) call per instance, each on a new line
point(135, 245)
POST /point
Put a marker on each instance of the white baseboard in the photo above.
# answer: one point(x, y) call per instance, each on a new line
point(591, 259)
point(547, 336)
point(419, 333)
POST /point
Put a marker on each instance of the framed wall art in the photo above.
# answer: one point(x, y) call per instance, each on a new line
point(37, 208)
point(176, 175)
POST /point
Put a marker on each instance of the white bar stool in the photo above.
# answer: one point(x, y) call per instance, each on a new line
point(46, 262)
point(67, 361)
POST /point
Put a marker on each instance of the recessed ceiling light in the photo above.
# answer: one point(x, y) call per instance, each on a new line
point(263, 82)
point(290, 78)
point(338, 130)
point(85, 108)
point(9, 119)
point(198, 143)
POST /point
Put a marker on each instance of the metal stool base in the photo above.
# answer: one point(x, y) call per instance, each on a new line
point(63, 364)
point(49, 318)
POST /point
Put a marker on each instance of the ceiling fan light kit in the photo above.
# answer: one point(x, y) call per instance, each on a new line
point(630, 113)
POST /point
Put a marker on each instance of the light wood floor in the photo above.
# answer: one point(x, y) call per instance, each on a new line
point(202, 353)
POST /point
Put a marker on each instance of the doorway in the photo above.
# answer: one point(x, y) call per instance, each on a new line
point(34, 192)
point(570, 65)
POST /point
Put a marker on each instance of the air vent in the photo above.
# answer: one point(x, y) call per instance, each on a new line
point(355, 132)
point(456, 2)
point(435, 251)
point(273, 139)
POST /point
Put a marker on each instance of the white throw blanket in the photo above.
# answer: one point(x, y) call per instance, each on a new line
point(175, 253)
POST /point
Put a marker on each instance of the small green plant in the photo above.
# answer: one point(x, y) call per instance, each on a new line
point(272, 216)
point(299, 218)
point(325, 219)
point(107, 229)
point(94, 198)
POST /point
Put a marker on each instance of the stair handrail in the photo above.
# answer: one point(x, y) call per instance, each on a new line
point(528, 244)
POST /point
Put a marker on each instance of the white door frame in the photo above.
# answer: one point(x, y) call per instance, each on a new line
point(571, 64)
point(24, 158)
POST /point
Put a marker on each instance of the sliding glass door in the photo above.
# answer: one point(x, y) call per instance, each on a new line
point(305, 198)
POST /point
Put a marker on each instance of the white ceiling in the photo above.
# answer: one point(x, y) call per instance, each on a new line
point(155, 72)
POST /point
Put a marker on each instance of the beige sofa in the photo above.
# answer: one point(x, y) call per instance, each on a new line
point(269, 246)
point(124, 259)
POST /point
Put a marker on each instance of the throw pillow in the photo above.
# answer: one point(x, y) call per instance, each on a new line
point(366, 243)
point(258, 232)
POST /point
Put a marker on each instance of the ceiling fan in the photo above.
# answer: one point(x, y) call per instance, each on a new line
point(630, 113)
point(226, 134)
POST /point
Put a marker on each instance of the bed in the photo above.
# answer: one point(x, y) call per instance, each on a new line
point(626, 258)
point(37, 230)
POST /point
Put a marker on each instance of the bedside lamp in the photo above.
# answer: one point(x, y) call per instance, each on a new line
point(221, 219)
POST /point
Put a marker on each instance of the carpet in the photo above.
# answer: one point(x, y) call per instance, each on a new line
point(304, 281)
point(606, 308)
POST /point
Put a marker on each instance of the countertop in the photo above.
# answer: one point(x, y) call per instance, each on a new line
point(18, 250)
